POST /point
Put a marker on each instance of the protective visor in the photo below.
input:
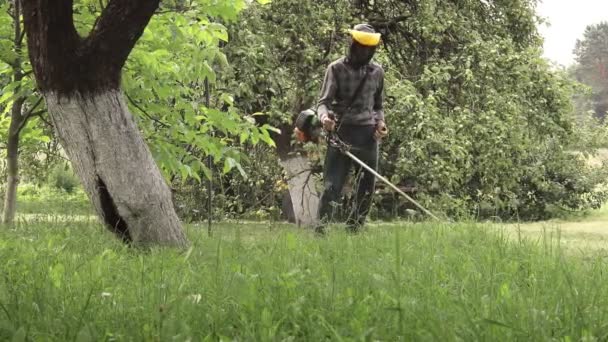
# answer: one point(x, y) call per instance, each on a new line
point(365, 38)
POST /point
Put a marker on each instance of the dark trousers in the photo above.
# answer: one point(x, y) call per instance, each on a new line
point(336, 168)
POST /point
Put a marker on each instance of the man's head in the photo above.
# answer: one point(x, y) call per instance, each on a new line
point(364, 41)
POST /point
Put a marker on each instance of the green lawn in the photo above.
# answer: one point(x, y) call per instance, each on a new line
point(66, 281)
point(580, 234)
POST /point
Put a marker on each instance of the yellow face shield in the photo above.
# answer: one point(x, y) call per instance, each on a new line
point(365, 38)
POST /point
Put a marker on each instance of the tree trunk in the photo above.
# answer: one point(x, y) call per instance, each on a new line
point(80, 81)
point(302, 189)
point(116, 167)
point(12, 161)
point(301, 183)
point(17, 122)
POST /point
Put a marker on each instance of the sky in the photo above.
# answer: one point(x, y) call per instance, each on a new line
point(567, 22)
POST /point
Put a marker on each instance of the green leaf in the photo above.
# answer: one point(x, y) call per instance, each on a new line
point(8, 94)
point(43, 138)
point(185, 172)
point(243, 137)
point(271, 128)
point(241, 170)
point(229, 163)
point(266, 138)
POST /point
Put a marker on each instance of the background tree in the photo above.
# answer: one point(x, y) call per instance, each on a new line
point(481, 124)
point(592, 65)
point(19, 100)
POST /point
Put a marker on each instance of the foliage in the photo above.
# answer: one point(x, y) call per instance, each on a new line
point(480, 124)
point(165, 79)
point(488, 125)
point(260, 282)
point(490, 151)
point(278, 74)
point(257, 197)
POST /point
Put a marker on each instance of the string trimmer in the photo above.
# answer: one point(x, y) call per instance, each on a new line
point(309, 128)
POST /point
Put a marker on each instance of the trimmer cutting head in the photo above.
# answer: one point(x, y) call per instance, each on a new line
point(308, 127)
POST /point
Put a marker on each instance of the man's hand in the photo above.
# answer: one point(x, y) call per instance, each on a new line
point(381, 130)
point(329, 124)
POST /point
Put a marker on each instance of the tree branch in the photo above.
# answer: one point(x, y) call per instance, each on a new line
point(27, 116)
point(389, 24)
point(51, 37)
point(39, 115)
point(145, 112)
point(119, 27)
point(55, 154)
point(10, 13)
point(21, 38)
point(20, 41)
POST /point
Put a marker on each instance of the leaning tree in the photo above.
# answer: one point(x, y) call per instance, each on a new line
point(79, 78)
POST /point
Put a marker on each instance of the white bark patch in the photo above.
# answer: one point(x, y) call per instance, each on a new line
point(103, 143)
point(302, 189)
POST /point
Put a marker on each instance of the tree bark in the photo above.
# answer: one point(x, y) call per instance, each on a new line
point(17, 122)
point(80, 81)
point(116, 167)
point(302, 189)
point(301, 183)
point(12, 161)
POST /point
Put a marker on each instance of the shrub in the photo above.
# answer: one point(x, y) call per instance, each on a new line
point(62, 177)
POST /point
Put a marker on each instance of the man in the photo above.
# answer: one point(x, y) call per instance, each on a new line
point(351, 105)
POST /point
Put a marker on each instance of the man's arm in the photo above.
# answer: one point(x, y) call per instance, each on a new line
point(379, 98)
point(381, 129)
point(328, 91)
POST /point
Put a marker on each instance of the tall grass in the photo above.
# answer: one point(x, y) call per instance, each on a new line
point(74, 282)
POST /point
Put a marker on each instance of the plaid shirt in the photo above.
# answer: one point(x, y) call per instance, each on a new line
point(339, 86)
